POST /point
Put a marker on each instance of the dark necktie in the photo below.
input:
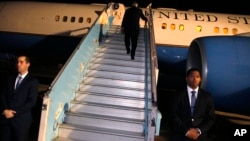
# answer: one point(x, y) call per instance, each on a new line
point(19, 80)
point(193, 99)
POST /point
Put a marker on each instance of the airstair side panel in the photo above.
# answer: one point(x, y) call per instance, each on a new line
point(110, 101)
point(101, 94)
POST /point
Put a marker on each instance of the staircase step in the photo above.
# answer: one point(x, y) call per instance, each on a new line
point(118, 56)
point(116, 75)
point(111, 50)
point(118, 28)
point(121, 69)
point(96, 134)
point(120, 38)
point(118, 31)
point(122, 50)
point(104, 123)
point(117, 51)
point(121, 47)
point(111, 100)
point(125, 63)
point(105, 110)
point(113, 83)
point(112, 91)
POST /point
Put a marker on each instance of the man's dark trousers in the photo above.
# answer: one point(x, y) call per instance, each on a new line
point(131, 35)
point(7, 131)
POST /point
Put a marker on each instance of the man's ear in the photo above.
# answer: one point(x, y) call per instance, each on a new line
point(28, 64)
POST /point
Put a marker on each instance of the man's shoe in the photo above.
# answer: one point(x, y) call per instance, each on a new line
point(132, 58)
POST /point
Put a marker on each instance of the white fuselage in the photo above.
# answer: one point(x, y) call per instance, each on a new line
point(171, 27)
point(47, 18)
point(179, 28)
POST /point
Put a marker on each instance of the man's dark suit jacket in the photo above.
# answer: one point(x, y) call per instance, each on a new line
point(204, 115)
point(132, 17)
point(20, 100)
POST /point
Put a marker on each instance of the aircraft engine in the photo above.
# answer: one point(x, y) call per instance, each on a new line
point(224, 62)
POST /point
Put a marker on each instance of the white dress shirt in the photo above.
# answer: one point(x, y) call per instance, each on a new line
point(190, 94)
point(22, 76)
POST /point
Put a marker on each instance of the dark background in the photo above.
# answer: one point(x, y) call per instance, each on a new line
point(220, 6)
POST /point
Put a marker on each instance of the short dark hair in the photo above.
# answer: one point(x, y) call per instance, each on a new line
point(134, 3)
point(27, 59)
point(191, 70)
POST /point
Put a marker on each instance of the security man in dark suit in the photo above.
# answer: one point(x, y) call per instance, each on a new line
point(17, 98)
point(131, 25)
point(194, 113)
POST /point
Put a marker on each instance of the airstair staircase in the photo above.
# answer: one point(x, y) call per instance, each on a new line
point(100, 94)
point(110, 102)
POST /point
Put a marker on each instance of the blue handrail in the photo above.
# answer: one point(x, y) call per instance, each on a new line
point(150, 45)
point(62, 89)
point(146, 36)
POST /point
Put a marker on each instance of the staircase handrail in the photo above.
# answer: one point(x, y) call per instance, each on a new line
point(150, 117)
point(53, 108)
point(153, 59)
point(73, 53)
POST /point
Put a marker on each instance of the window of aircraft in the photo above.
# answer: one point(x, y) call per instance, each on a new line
point(198, 28)
point(216, 29)
point(88, 20)
point(80, 20)
point(225, 30)
point(57, 18)
point(164, 26)
point(172, 26)
point(65, 18)
point(73, 19)
point(181, 27)
point(234, 31)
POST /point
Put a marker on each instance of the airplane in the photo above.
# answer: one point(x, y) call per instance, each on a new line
point(49, 32)
point(217, 44)
point(46, 32)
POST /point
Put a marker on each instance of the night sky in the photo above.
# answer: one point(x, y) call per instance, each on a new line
point(220, 6)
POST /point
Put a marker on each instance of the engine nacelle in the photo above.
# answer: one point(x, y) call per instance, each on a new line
point(224, 62)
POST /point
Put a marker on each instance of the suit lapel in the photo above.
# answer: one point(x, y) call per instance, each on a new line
point(23, 82)
point(187, 103)
point(198, 102)
point(12, 82)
